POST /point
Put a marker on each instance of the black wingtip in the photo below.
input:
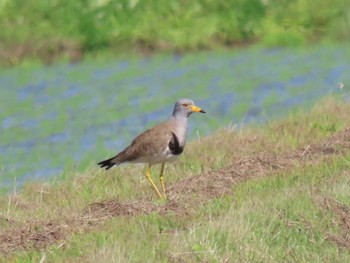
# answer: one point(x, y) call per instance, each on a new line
point(107, 164)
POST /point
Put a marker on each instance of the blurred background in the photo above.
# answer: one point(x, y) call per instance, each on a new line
point(79, 79)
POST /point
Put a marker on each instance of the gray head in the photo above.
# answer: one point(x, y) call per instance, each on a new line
point(185, 107)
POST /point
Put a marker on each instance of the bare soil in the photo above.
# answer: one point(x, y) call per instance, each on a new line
point(184, 197)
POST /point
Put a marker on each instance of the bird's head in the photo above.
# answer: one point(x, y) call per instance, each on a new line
point(185, 107)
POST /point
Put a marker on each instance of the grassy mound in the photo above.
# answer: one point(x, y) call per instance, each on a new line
point(269, 194)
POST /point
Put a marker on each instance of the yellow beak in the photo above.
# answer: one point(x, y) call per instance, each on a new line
point(197, 109)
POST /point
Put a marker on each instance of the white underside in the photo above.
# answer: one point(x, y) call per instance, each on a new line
point(162, 157)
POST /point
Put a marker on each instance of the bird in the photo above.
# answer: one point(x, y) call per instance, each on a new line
point(160, 144)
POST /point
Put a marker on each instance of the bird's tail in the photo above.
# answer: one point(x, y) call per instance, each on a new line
point(107, 164)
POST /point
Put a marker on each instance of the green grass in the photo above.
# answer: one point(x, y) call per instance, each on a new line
point(64, 29)
point(276, 218)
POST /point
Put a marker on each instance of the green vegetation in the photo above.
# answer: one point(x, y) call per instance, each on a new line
point(289, 201)
point(51, 29)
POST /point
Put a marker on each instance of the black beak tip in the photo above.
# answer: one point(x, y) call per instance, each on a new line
point(202, 111)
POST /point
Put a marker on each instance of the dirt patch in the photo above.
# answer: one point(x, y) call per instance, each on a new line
point(341, 210)
point(185, 196)
point(342, 213)
point(339, 240)
point(116, 208)
point(341, 138)
point(219, 182)
point(36, 235)
point(112, 208)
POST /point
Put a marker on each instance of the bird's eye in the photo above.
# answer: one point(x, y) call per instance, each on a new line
point(185, 105)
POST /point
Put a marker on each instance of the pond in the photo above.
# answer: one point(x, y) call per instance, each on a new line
point(68, 117)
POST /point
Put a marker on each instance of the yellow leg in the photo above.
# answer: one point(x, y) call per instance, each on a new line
point(148, 175)
point(161, 178)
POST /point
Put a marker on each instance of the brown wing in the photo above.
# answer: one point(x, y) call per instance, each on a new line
point(148, 143)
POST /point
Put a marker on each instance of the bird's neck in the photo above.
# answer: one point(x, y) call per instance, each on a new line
point(180, 118)
point(181, 128)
